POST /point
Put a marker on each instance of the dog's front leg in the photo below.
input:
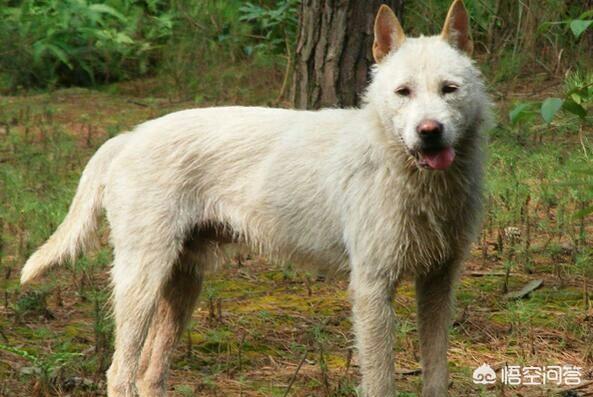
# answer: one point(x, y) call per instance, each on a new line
point(434, 295)
point(373, 326)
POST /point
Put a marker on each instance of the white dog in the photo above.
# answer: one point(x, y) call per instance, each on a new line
point(389, 189)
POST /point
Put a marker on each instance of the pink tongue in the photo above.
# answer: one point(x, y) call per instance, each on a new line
point(440, 160)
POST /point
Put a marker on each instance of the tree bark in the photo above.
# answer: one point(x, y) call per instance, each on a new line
point(333, 53)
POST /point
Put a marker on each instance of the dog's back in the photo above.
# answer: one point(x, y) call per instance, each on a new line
point(278, 178)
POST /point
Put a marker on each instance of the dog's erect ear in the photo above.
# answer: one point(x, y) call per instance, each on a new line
point(456, 29)
point(389, 34)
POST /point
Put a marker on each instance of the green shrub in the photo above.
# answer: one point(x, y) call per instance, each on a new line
point(511, 34)
point(215, 44)
point(78, 42)
point(274, 26)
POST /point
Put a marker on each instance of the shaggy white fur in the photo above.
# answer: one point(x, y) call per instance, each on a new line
point(340, 187)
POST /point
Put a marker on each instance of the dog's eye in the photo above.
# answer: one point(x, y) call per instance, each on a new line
point(403, 91)
point(450, 88)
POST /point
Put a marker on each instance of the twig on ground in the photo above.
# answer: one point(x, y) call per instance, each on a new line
point(478, 273)
point(525, 291)
point(561, 392)
point(294, 375)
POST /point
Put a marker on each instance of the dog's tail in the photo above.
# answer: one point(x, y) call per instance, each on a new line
point(79, 229)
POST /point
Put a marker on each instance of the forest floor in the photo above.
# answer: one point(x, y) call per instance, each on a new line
point(259, 326)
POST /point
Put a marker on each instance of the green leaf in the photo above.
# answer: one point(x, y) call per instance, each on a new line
point(123, 38)
point(41, 48)
point(586, 14)
point(105, 9)
point(573, 107)
point(520, 111)
point(60, 54)
point(576, 98)
point(578, 26)
point(88, 69)
point(583, 213)
point(550, 107)
point(583, 171)
point(38, 50)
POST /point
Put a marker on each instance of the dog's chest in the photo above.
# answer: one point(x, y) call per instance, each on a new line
point(432, 225)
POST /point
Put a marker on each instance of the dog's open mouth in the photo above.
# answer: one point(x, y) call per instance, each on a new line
point(439, 159)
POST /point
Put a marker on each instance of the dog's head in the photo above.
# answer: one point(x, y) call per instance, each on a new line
point(427, 90)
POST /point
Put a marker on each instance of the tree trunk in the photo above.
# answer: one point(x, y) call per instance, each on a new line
point(333, 53)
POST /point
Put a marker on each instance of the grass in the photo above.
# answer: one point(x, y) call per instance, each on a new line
point(56, 338)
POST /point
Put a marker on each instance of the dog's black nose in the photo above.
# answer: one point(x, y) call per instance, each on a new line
point(431, 135)
point(430, 128)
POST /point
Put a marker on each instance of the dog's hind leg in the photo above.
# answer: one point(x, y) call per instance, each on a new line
point(434, 295)
point(173, 312)
point(142, 265)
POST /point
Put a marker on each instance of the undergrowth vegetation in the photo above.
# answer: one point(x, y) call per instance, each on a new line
point(53, 43)
point(80, 42)
point(72, 42)
point(256, 324)
point(518, 38)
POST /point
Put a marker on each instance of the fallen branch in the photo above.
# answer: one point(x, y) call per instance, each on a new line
point(525, 291)
point(138, 103)
point(478, 273)
point(295, 373)
point(407, 372)
point(562, 392)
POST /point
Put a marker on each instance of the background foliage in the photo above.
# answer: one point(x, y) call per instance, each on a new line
point(48, 43)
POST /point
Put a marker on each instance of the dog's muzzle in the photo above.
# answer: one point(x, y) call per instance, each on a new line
point(432, 152)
